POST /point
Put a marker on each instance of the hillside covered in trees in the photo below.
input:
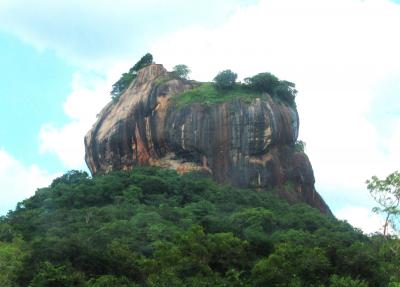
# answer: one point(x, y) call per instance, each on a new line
point(153, 227)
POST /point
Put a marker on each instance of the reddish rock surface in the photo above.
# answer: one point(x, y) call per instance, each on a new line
point(243, 144)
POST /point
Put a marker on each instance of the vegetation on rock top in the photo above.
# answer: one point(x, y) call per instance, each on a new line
point(126, 79)
point(225, 88)
point(209, 94)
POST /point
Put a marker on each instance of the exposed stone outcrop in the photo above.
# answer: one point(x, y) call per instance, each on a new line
point(243, 144)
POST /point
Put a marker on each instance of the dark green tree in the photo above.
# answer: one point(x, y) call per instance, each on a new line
point(143, 62)
point(225, 80)
point(263, 82)
point(126, 79)
point(50, 275)
point(110, 281)
point(284, 91)
point(338, 281)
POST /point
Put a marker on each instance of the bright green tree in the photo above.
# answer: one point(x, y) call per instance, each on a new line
point(11, 261)
point(386, 192)
point(181, 71)
point(338, 281)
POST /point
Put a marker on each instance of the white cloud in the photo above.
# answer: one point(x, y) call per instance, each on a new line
point(99, 37)
point(18, 182)
point(89, 95)
point(95, 33)
point(337, 52)
point(361, 218)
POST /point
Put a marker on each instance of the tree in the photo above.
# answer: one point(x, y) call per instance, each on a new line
point(154, 227)
point(11, 261)
point(269, 83)
point(337, 281)
point(386, 193)
point(225, 80)
point(181, 71)
point(286, 92)
point(109, 281)
point(304, 265)
point(126, 79)
point(263, 82)
point(50, 275)
point(71, 177)
point(143, 62)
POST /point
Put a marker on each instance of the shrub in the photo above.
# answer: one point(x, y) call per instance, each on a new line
point(225, 80)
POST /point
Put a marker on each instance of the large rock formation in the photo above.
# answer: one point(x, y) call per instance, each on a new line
point(237, 142)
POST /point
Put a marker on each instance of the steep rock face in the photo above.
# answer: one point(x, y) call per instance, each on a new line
point(243, 144)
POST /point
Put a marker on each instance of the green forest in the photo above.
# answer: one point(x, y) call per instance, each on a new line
point(154, 227)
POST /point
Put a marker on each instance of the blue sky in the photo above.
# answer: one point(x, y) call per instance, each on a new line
point(32, 87)
point(60, 58)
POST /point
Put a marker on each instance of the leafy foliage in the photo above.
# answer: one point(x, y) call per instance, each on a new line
point(143, 62)
point(224, 88)
point(181, 71)
point(225, 80)
point(337, 281)
point(50, 275)
point(153, 227)
point(11, 260)
point(263, 82)
point(268, 83)
point(126, 79)
point(386, 193)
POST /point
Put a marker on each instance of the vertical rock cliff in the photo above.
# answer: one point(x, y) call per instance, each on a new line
point(246, 144)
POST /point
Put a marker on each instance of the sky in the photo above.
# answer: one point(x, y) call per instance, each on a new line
point(59, 59)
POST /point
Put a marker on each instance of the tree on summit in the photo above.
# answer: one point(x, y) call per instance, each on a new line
point(143, 62)
point(266, 82)
point(181, 71)
point(126, 79)
point(225, 80)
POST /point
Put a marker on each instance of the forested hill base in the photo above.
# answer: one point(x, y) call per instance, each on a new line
point(154, 227)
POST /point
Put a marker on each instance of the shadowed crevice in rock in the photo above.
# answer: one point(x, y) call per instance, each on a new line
point(246, 144)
